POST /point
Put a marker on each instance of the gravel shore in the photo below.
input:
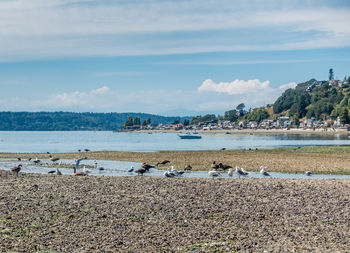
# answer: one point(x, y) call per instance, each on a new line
point(146, 214)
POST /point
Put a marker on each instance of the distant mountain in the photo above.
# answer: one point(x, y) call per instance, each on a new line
point(70, 121)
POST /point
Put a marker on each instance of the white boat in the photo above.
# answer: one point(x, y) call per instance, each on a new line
point(190, 136)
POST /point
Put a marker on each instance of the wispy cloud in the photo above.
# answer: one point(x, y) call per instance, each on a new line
point(59, 28)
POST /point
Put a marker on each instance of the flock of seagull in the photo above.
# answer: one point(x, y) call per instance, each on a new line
point(145, 167)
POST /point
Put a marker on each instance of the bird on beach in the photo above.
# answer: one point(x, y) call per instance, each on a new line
point(246, 173)
point(240, 172)
point(188, 168)
point(224, 166)
point(36, 161)
point(51, 172)
point(131, 169)
point(87, 150)
point(263, 172)
point(169, 173)
point(53, 159)
point(164, 162)
point(19, 159)
point(140, 171)
point(214, 173)
point(230, 172)
point(58, 172)
point(17, 169)
point(86, 171)
point(308, 173)
point(78, 173)
point(214, 165)
point(147, 166)
point(98, 167)
point(77, 161)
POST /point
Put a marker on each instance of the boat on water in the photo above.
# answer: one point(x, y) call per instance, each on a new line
point(190, 136)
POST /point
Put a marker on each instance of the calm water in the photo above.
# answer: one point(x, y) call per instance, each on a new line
point(119, 168)
point(100, 141)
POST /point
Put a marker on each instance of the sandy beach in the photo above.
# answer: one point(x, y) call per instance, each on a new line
point(143, 214)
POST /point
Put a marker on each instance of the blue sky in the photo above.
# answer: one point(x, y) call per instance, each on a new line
point(166, 57)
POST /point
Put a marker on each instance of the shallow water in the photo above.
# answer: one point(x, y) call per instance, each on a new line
point(71, 141)
point(120, 168)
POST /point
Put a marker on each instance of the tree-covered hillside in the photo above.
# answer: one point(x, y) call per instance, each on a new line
point(66, 121)
point(319, 99)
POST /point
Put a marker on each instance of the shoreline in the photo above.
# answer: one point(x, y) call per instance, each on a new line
point(329, 131)
point(319, 160)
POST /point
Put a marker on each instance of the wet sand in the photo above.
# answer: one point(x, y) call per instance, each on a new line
point(144, 214)
point(322, 160)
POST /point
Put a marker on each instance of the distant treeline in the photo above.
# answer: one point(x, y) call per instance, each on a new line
point(70, 121)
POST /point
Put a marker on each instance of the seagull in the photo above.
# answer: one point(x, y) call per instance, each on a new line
point(213, 173)
point(77, 161)
point(131, 169)
point(36, 161)
point(239, 172)
point(230, 172)
point(87, 171)
point(169, 173)
point(244, 172)
point(308, 173)
point(99, 168)
point(263, 172)
point(79, 173)
point(17, 169)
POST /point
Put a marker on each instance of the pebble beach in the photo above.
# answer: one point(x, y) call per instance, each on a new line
point(49, 213)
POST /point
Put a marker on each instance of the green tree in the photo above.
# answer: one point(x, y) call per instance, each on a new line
point(344, 116)
point(186, 122)
point(129, 121)
point(137, 121)
point(176, 121)
point(231, 115)
point(148, 121)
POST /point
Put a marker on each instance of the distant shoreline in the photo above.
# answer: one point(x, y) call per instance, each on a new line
point(329, 131)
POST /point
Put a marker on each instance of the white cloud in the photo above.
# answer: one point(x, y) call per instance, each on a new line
point(286, 86)
point(235, 87)
point(58, 28)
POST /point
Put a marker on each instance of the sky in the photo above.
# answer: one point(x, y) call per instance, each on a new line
point(167, 57)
